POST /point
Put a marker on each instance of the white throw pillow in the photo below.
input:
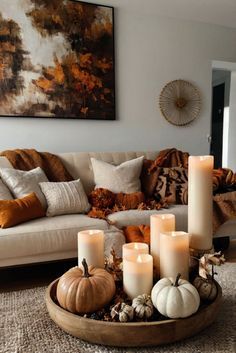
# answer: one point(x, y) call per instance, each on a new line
point(22, 183)
point(4, 192)
point(65, 197)
point(121, 178)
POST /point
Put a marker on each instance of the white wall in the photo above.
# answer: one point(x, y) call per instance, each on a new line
point(232, 124)
point(150, 51)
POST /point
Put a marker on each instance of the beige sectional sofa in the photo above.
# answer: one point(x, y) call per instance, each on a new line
point(55, 238)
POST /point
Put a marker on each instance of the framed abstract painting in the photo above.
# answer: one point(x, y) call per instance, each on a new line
point(56, 59)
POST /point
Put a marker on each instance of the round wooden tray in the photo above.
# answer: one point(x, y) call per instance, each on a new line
point(131, 334)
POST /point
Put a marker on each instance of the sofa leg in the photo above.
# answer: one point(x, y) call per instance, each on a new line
point(221, 244)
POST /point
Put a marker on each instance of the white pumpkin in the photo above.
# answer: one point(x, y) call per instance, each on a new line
point(175, 299)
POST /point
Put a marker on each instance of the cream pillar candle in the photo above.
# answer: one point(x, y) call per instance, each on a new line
point(200, 201)
point(134, 249)
point(91, 247)
point(138, 274)
point(174, 254)
point(159, 223)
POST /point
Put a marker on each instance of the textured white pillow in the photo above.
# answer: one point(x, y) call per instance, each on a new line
point(65, 197)
point(121, 178)
point(22, 183)
point(4, 192)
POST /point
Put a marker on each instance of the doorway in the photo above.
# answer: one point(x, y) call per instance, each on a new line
point(220, 100)
point(218, 94)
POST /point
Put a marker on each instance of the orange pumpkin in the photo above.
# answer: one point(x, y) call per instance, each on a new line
point(85, 291)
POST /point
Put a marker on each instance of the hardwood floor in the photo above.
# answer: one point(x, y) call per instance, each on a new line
point(42, 274)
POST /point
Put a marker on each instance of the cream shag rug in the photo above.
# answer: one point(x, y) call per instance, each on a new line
point(25, 326)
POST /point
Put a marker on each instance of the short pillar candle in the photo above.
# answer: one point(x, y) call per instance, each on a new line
point(91, 248)
point(137, 274)
point(159, 223)
point(134, 249)
point(174, 254)
point(200, 201)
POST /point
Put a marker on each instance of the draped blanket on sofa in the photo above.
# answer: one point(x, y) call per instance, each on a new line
point(27, 159)
point(164, 181)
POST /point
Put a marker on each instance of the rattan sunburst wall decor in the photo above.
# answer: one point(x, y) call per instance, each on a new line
point(180, 102)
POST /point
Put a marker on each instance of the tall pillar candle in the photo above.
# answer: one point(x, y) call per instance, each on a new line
point(134, 249)
point(174, 254)
point(159, 223)
point(91, 247)
point(200, 202)
point(138, 274)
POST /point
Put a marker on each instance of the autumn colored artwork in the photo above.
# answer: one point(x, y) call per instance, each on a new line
point(56, 59)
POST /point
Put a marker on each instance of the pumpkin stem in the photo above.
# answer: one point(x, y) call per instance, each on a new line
point(85, 266)
point(177, 280)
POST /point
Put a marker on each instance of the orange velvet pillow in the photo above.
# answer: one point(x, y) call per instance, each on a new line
point(129, 201)
point(17, 211)
point(137, 234)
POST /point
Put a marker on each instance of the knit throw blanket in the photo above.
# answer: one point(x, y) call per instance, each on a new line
point(27, 159)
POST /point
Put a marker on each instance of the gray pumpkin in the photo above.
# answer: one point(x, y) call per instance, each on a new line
point(206, 288)
point(143, 306)
point(126, 313)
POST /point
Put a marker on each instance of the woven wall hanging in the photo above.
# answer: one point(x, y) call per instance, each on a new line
point(180, 102)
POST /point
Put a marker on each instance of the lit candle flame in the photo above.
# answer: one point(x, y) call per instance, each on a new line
point(139, 258)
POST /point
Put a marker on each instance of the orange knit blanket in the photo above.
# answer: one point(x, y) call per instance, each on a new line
point(26, 159)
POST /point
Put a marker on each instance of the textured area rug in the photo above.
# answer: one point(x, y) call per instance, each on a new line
point(25, 326)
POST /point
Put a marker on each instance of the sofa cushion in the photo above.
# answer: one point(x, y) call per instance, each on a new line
point(79, 164)
point(17, 211)
point(4, 163)
point(65, 197)
point(44, 236)
point(22, 183)
point(4, 192)
point(122, 178)
point(137, 217)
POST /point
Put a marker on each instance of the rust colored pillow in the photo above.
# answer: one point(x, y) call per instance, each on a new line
point(13, 212)
point(129, 201)
point(137, 234)
point(102, 198)
point(105, 199)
